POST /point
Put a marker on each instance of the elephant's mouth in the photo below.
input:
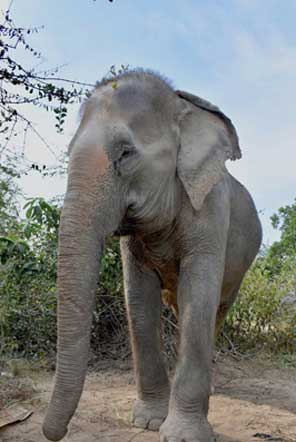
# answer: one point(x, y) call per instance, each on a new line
point(129, 225)
point(125, 228)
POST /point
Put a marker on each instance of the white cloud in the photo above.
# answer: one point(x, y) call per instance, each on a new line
point(259, 58)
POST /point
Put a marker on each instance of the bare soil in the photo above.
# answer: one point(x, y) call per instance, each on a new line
point(253, 401)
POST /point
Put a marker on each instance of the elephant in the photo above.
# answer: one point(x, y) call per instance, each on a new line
point(147, 163)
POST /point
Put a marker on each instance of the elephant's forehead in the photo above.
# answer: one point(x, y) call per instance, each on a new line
point(126, 97)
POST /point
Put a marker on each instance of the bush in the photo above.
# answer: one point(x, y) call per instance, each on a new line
point(28, 317)
point(261, 317)
point(28, 281)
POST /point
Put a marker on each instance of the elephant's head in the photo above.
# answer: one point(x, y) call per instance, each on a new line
point(138, 144)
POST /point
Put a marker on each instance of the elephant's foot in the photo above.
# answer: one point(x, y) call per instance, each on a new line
point(183, 428)
point(149, 414)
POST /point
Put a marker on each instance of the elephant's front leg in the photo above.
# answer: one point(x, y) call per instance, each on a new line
point(143, 299)
point(198, 298)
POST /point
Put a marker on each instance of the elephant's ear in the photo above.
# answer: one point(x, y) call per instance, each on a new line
point(207, 139)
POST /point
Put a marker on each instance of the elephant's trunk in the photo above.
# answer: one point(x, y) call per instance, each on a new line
point(84, 224)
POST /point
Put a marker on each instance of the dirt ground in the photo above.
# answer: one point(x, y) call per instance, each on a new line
point(253, 401)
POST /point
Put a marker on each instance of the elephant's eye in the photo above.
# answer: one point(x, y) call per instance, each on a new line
point(125, 160)
point(127, 150)
point(125, 153)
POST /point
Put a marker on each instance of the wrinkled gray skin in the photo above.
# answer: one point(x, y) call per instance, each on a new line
point(147, 163)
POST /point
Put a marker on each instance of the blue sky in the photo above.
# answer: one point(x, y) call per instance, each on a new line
point(239, 54)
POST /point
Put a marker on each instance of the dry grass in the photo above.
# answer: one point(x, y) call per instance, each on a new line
point(14, 390)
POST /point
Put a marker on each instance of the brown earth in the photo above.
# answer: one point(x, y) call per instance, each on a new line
point(253, 401)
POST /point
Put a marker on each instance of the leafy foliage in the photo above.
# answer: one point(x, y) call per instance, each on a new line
point(27, 274)
point(282, 254)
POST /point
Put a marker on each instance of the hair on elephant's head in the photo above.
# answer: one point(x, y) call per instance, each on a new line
point(139, 143)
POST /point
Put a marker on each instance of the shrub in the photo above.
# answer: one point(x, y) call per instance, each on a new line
point(260, 318)
point(28, 278)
